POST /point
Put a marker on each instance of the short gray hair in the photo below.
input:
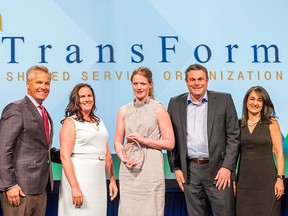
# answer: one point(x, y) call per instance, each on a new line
point(36, 67)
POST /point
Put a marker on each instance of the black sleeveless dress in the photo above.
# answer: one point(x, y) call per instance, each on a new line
point(256, 174)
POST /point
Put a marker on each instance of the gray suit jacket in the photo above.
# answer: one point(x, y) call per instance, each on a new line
point(24, 152)
point(222, 128)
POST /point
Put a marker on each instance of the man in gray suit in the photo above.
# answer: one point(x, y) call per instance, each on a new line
point(25, 150)
point(206, 132)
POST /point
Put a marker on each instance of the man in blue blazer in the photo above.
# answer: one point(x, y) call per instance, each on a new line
point(206, 132)
point(25, 150)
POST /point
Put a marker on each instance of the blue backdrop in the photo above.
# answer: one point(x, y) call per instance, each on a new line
point(242, 43)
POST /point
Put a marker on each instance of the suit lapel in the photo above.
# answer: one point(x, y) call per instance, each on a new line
point(51, 129)
point(211, 113)
point(31, 107)
point(33, 110)
point(183, 113)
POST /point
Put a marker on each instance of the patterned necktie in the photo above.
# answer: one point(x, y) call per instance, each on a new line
point(46, 122)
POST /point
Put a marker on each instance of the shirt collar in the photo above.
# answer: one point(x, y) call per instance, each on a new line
point(36, 104)
point(142, 103)
point(203, 100)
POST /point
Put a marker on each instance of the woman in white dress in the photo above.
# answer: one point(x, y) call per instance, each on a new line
point(85, 156)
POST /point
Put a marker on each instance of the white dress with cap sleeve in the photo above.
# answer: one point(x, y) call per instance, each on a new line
point(88, 160)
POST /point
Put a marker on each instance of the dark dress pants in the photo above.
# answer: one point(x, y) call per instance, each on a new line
point(200, 193)
point(30, 205)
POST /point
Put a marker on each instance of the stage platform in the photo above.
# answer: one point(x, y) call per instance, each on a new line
point(174, 199)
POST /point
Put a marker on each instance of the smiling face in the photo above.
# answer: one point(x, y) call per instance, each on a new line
point(197, 84)
point(86, 100)
point(141, 87)
point(254, 104)
point(38, 85)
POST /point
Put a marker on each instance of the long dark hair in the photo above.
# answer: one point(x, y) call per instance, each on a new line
point(267, 111)
point(73, 108)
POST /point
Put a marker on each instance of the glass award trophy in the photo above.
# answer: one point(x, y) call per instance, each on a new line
point(132, 152)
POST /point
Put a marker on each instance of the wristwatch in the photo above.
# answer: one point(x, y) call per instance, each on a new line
point(282, 177)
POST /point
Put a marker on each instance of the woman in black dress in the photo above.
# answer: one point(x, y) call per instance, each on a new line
point(260, 183)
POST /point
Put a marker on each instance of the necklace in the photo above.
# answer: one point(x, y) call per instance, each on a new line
point(252, 123)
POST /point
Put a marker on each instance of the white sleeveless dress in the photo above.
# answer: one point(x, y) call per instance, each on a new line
point(89, 167)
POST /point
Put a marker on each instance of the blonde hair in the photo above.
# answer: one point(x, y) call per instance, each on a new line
point(146, 72)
